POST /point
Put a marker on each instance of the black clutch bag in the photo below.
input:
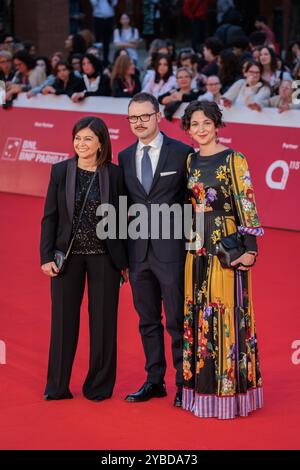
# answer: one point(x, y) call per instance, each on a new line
point(59, 260)
point(230, 248)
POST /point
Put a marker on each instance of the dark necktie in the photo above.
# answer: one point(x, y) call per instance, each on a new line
point(147, 173)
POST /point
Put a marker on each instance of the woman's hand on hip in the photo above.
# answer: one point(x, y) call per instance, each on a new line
point(50, 269)
point(246, 260)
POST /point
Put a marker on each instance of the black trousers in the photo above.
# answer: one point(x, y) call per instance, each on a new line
point(67, 290)
point(152, 283)
point(103, 28)
point(198, 33)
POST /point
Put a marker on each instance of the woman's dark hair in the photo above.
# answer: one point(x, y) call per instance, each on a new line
point(100, 129)
point(119, 26)
point(47, 62)
point(27, 46)
point(144, 97)
point(166, 77)
point(173, 54)
point(22, 56)
point(96, 63)
point(251, 62)
point(273, 63)
point(209, 108)
point(229, 67)
point(78, 44)
point(62, 62)
point(290, 58)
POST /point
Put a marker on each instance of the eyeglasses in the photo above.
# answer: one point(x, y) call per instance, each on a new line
point(142, 117)
point(5, 61)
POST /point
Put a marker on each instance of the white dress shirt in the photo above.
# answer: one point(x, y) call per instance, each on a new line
point(154, 152)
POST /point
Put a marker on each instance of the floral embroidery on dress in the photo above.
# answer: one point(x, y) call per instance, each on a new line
point(221, 366)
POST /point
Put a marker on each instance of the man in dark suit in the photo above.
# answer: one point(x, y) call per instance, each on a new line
point(155, 173)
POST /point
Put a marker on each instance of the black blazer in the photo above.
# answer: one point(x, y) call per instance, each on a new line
point(74, 85)
point(56, 227)
point(103, 88)
point(168, 189)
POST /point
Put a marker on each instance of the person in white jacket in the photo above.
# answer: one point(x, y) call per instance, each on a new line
point(250, 91)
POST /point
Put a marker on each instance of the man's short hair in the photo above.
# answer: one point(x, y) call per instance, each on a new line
point(214, 45)
point(143, 98)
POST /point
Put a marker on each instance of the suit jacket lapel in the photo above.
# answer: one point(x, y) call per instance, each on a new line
point(161, 161)
point(104, 184)
point(70, 186)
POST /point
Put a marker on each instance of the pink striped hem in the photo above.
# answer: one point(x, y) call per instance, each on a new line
point(213, 406)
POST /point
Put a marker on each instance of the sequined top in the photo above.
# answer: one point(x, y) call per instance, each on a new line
point(86, 241)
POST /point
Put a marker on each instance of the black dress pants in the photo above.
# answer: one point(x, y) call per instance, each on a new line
point(103, 28)
point(152, 283)
point(67, 290)
point(198, 33)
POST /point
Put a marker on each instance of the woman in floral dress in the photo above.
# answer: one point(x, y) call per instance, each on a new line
point(222, 376)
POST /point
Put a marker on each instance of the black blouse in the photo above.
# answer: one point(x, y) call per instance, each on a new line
point(86, 241)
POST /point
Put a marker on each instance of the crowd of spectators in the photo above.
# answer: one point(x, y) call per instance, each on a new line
point(229, 68)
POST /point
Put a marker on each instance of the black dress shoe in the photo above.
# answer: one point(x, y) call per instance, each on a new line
point(147, 391)
point(178, 397)
point(67, 396)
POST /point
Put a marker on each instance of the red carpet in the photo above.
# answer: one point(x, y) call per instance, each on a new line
point(28, 422)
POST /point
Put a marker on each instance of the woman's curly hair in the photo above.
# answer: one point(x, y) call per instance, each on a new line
point(209, 108)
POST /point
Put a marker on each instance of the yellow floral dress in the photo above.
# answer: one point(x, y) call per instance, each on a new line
point(221, 369)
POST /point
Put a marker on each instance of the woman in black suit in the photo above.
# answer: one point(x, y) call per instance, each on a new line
point(103, 262)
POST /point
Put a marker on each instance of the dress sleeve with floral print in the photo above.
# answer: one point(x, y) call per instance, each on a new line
point(243, 194)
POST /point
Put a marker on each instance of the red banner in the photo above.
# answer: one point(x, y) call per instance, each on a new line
point(32, 139)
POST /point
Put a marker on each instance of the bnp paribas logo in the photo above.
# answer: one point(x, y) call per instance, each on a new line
point(2, 92)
